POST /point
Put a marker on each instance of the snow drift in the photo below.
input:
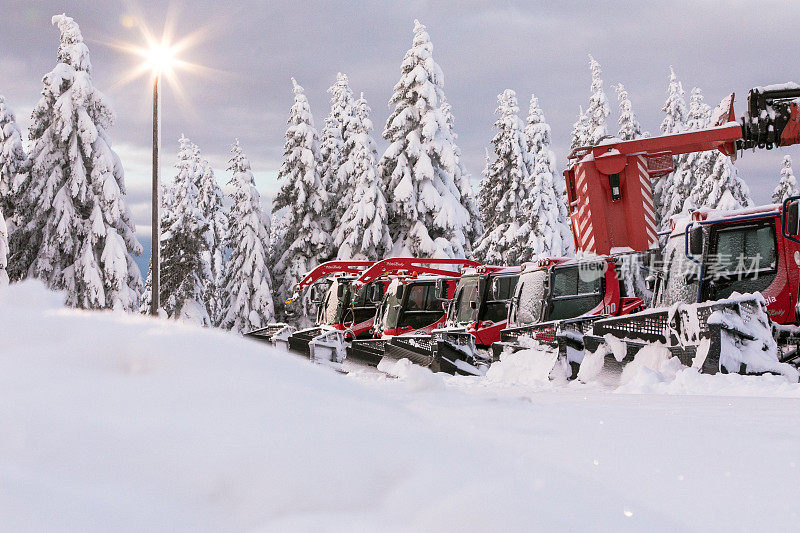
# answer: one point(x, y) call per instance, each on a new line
point(116, 422)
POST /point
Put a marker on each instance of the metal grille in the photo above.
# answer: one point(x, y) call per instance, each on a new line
point(418, 342)
point(582, 325)
point(458, 338)
point(418, 349)
point(650, 326)
point(544, 332)
point(307, 334)
point(373, 345)
point(367, 350)
point(659, 164)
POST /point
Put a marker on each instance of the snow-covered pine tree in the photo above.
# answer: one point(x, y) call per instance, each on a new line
point(675, 110)
point(184, 272)
point(598, 110)
point(303, 241)
point(713, 178)
point(488, 195)
point(210, 203)
point(675, 116)
point(503, 242)
point(721, 188)
point(364, 231)
point(580, 131)
point(74, 228)
point(3, 251)
point(545, 189)
point(12, 158)
point(629, 127)
point(419, 167)
point(462, 180)
point(333, 151)
point(247, 285)
point(787, 186)
point(691, 167)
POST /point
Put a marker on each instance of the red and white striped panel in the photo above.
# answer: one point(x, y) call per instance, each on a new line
point(583, 225)
point(647, 202)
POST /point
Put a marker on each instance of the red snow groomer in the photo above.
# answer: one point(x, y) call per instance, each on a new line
point(477, 311)
point(708, 259)
point(343, 312)
point(411, 304)
point(321, 281)
point(557, 300)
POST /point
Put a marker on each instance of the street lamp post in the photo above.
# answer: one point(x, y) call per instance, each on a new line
point(156, 218)
point(160, 59)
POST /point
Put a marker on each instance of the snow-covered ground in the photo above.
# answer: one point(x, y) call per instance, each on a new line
point(118, 422)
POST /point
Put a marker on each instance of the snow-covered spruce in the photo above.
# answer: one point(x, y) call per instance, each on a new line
point(210, 202)
point(675, 110)
point(184, 271)
point(247, 285)
point(303, 239)
point(598, 110)
point(509, 175)
point(462, 181)
point(74, 229)
point(333, 151)
point(488, 194)
point(12, 158)
point(419, 167)
point(689, 168)
point(721, 187)
point(787, 186)
point(675, 117)
point(580, 131)
point(710, 177)
point(629, 127)
point(363, 232)
point(546, 198)
point(3, 251)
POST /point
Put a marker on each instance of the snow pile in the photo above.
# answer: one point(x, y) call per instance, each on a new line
point(673, 378)
point(533, 366)
point(415, 378)
point(654, 357)
point(758, 354)
point(119, 422)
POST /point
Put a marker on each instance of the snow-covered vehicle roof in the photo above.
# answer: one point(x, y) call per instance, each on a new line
point(707, 215)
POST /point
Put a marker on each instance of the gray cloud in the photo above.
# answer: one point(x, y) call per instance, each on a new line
point(483, 48)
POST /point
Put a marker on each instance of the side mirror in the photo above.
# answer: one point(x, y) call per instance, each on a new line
point(317, 294)
point(441, 289)
point(473, 304)
point(793, 218)
point(339, 290)
point(401, 290)
point(650, 282)
point(696, 241)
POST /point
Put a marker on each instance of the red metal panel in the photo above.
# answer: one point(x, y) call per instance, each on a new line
point(601, 223)
point(791, 133)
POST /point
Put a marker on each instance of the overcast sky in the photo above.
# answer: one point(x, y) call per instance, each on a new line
point(254, 47)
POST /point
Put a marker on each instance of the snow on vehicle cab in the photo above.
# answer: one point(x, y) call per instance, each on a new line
point(725, 276)
point(411, 304)
point(557, 300)
point(476, 313)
